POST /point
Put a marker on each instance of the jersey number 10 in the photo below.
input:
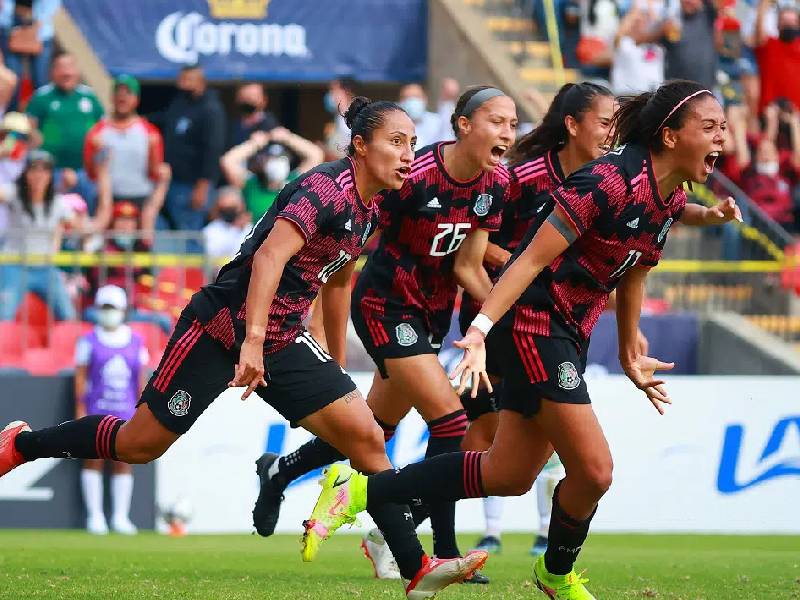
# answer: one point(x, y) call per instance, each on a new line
point(455, 232)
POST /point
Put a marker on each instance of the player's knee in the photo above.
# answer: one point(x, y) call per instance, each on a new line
point(598, 476)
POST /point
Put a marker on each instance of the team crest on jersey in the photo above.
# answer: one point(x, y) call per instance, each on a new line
point(482, 204)
point(664, 230)
point(568, 377)
point(365, 235)
point(406, 336)
point(179, 404)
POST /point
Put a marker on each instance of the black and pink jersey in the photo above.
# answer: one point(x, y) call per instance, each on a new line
point(614, 204)
point(528, 203)
point(325, 206)
point(423, 224)
point(528, 199)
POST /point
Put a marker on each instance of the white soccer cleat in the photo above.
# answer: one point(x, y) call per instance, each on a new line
point(437, 573)
point(377, 551)
point(124, 526)
point(96, 525)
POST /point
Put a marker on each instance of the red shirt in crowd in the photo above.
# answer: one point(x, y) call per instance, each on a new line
point(779, 64)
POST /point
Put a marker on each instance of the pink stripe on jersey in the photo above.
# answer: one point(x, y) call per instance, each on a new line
point(532, 165)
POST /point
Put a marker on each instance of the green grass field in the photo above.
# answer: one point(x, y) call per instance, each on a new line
point(74, 565)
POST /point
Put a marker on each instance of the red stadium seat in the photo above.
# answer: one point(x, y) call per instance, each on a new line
point(155, 340)
point(43, 361)
point(65, 334)
point(34, 312)
point(10, 339)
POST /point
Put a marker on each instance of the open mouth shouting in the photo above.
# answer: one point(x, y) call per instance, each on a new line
point(709, 160)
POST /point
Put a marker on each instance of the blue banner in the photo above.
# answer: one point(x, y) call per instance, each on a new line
point(277, 40)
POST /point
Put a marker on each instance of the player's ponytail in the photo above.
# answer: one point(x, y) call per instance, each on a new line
point(573, 99)
point(364, 116)
point(640, 119)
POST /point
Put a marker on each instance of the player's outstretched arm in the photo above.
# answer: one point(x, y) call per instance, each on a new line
point(284, 241)
point(639, 368)
point(335, 296)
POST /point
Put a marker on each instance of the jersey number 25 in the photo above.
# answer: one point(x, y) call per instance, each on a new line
point(449, 238)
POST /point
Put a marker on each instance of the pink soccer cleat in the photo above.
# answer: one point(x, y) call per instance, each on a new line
point(9, 457)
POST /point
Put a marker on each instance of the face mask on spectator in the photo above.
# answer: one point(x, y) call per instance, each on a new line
point(246, 109)
point(330, 103)
point(414, 106)
point(768, 168)
point(789, 34)
point(229, 215)
point(277, 169)
point(124, 240)
point(110, 318)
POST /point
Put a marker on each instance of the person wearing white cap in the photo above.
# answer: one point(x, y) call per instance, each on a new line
point(109, 375)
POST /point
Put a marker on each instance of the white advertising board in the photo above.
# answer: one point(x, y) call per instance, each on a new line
point(725, 458)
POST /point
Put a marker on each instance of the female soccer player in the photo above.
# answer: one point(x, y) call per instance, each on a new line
point(608, 229)
point(304, 245)
point(574, 131)
point(434, 232)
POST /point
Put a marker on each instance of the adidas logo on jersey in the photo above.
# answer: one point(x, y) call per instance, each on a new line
point(633, 224)
point(434, 203)
point(349, 225)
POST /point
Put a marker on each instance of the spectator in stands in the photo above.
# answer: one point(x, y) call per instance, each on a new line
point(109, 376)
point(764, 177)
point(251, 107)
point(15, 140)
point(261, 174)
point(599, 24)
point(27, 31)
point(64, 111)
point(193, 126)
point(337, 99)
point(779, 57)
point(428, 124)
point(132, 145)
point(638, 64)
point(690, 51)
point(230, 224)
point(36, 217)
point(449, 91)
point(8, 85)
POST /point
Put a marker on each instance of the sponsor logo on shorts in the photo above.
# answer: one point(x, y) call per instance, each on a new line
point(179, 404)
point(568, 377)
point(482, 204)
point(406, 336)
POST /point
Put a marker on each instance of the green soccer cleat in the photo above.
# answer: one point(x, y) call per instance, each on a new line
point(560, 587)
point(343, 496)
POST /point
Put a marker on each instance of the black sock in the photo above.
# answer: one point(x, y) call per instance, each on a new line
point(388, 430)
point(443, 478)
point(564, 539)
point(419, 512)
point(397, 527)
point(90, 437)
point(446, 435)
point(314, 454)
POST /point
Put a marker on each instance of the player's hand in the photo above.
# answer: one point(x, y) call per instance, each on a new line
point(723, 212)
point(250, 368)
point(641, 372)
point(473, 365)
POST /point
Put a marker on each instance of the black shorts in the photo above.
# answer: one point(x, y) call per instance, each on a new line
point(302, 378)
point(534, 367)
point(393, 336)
